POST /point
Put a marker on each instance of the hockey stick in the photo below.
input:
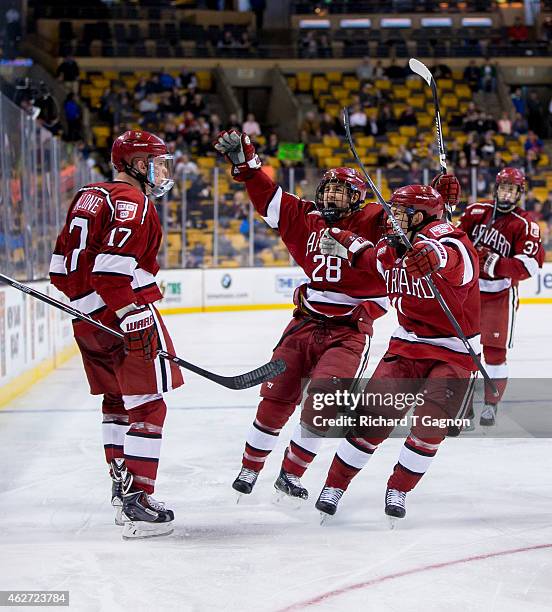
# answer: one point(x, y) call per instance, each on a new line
point(487, 225)
point(400, 232)
point(422, 70)
point(241, 381)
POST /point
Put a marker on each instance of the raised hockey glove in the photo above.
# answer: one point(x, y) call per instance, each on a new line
point(239, 151)
point(343, 244)
point(138, 326)
point(449, 188)
point(487, 261)
point(425, 257)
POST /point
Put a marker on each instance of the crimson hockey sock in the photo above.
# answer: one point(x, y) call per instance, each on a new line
point(143, 440)
point(301, 451)
point(114, 426)
point(497, 368)
point(351, 456)
point(414, 460)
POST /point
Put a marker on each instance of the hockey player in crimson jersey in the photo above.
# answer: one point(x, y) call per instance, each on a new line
point(424, 353)
point(510, 250)
point(105, 263)
point(329, 334)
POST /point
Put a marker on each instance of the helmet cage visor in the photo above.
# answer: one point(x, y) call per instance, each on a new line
point(507, 196)
point(160, 174)
point(336, 199)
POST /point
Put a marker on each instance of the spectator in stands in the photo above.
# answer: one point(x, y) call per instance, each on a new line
point(472, 76)
point(497, 163)
point(153, 85)
point(472, 150)
point(68, 72)
point(365, 70)
point(533, 143)
point(518, 33)
point(516, 162)
point(140, 89)
point(505, 124)
point(404, 154)
point(197, 105)
point(12, 20)
point(547, 207)
point(530, 200)
point(453, 152)
point(379, 71)
point(73, 115)
point(272, 145)
point(311, 126)
point(166, 80)
point(358, 118)
point(535, 114)
point(251, 126)
point(441, 71)
point(489, 123)
point(325, 47)
point(184, 166)
point(384, 158)
point(148, 106)
point(372, 127)
point(415, 175)
point(488, 77)
point(395, 72)
point(518, 101)
point(519, 125)
point(408, 117)
point(234, 122)
point(329, 126)
point(258, 7)
point(488, 147)
point(215, 123)
point(227, 42)
point(386, 119)
point(188, 80)
point(462, 172)
point(308, 46)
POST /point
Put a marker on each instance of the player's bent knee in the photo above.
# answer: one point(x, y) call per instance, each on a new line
point(274, 414)
point(494, 355)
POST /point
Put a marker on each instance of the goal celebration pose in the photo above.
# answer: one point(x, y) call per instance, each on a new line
point(424, 353)
point(510, 250)
point(105, 263)
point(329, 335)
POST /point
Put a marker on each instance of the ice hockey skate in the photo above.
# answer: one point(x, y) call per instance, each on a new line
point(488, 416)
point(395, 506)
point(244, 483)
point(143, 516)
point(289, 490)
point(327, 502)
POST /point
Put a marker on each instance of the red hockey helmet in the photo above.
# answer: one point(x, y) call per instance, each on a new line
point(410, 199)
point(335, 203)
point(136, 144)
point(510, 184)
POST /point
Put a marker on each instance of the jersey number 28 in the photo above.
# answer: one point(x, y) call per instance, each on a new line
point(332, 265)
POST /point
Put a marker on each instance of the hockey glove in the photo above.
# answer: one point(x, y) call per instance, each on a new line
point(449, 188)
point(239, 151)
point(487, 261)
point(138, 326)
point(343, 244)
point(426, 256)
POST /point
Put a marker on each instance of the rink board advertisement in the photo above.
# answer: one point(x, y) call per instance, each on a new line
point(222, 289)
point(32, 334)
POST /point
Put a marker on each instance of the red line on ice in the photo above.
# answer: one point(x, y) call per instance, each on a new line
point(417, 570)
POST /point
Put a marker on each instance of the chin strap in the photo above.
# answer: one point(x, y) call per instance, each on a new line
point(141, 178)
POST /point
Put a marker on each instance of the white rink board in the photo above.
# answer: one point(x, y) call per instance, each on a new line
point(234, 287)
point(30, 331)
point(478, 535)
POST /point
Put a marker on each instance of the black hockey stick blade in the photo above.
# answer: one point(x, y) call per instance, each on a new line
point(241, 381)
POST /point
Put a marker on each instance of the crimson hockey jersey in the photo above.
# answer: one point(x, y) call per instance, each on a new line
point(335, 289)
point(106, 254)
point(424, 330)
point(514, 236)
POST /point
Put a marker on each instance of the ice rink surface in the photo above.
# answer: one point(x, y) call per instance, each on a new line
point(478, 534)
